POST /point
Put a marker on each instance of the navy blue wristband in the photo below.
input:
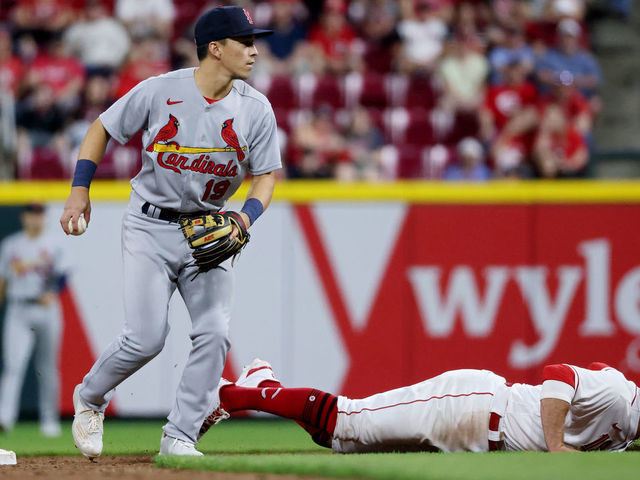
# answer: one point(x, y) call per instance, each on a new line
point(85, 169)
point(253, 208)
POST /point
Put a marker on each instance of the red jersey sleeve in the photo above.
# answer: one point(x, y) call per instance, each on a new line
point(560, 382)
point(561, 373)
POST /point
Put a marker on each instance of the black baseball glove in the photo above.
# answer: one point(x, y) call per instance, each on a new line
point(208, 236)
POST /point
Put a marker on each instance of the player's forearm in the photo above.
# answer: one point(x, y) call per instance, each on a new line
point(91, 151)
point(262, 188)
point(258, 198)
point(553, 413)
point(3, 288)
point(94, 143)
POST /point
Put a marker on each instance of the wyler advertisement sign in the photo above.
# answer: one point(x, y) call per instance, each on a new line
point(508, 288)
point(356, 297)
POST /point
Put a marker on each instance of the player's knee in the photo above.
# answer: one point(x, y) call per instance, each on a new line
point(146, 347)
point(152, 347)
point(214, 339)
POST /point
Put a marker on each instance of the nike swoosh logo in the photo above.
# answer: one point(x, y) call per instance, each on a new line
point(264, 393)
point(169, 102)
point(616, 427)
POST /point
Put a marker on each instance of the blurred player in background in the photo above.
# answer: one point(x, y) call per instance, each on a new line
point(575, 409)
point(31, 275)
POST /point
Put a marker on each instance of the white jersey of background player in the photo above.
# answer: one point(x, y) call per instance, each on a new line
point(203, 130)
point(31, 271)
point(461, 410)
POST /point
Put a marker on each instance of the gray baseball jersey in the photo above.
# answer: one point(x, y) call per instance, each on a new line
point(194, 157)
point(30, 266)
point(196, 154)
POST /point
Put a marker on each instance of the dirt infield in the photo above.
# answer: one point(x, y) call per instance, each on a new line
point(120, 467)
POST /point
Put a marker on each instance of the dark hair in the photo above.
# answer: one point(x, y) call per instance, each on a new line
point(202, 50)
point(33, 207)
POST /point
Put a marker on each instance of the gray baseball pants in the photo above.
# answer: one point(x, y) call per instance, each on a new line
point(155, 257)
point(28, 327)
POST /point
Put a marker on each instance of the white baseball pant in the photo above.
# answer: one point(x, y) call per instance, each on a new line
point(449, 412)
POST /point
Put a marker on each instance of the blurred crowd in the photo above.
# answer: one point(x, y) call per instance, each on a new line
point(362, 89)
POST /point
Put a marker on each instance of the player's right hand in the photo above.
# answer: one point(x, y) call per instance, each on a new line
point(78, 203)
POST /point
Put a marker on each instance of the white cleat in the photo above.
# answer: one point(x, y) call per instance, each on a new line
point(255, 373)
point(217, 413)
point(87, 427)
point(175, 446)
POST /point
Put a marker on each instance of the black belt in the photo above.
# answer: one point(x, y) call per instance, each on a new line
point(167, 214)
point(494, 426)
point(27, 301)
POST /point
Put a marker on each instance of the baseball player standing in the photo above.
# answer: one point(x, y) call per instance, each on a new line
point(203, 129)
point(575, 409)
point(31, 274)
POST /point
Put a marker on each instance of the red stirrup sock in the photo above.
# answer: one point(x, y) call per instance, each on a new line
point(318, 435)
point(307, 405)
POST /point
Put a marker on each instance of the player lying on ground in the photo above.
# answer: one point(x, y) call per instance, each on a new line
point(462, 410)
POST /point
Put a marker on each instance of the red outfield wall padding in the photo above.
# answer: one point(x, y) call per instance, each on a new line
point(509, 288)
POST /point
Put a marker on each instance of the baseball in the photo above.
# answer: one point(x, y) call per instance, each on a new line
point(82, 226)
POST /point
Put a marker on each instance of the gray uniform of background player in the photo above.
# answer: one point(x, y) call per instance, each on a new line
point(30, 267)
point(155, 253)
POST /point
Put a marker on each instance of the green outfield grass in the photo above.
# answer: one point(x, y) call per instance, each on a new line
point(128, 437)
point(425, 466)
point(273, 446)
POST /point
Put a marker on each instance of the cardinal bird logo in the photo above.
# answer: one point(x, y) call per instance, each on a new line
point(229, 136)
point(167, 132)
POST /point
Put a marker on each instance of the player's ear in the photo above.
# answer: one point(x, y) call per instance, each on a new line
point(215, 48)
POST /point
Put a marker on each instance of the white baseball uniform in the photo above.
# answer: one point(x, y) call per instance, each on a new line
point(476, 410)
point(30, 266)
point(603, 414)
point(195, 156)
point(449, 412)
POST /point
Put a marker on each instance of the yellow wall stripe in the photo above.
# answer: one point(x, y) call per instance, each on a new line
point(501, 192)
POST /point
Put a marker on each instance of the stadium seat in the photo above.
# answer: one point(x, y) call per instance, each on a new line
point(409, 162)
point(107, 168)
point(414, 126)
point(395, 122)
point(420, 128)
point(283, 117)
point(45, 164)
point(328, 92)
point(396, 86)
point(281, 93)
point(126, 161)
point(465, 125)
point(435, 160)
point(418, 162)
point(414, 91)
point(367, 90)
